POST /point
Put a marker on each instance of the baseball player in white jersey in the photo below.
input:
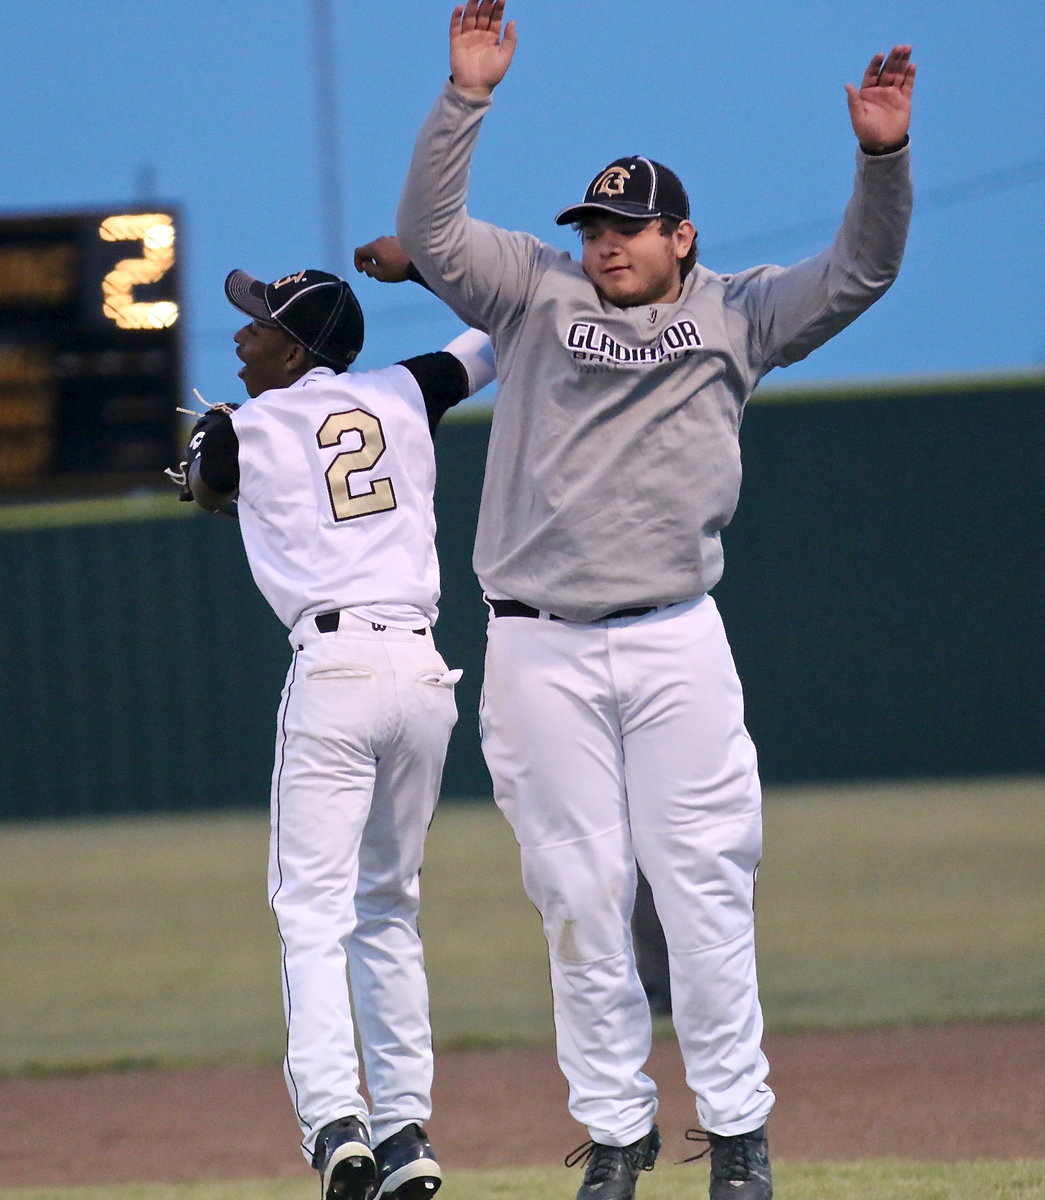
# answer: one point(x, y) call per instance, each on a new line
point(612, 716)
point(334, 474)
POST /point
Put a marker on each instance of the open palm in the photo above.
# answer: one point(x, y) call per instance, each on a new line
point(880, 109)
point(480, 49)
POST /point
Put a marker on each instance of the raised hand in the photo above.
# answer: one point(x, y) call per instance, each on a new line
point(880, 109)
point(480, 51)
point(383, 259)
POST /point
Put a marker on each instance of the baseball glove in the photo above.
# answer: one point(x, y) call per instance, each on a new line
point(216, 415)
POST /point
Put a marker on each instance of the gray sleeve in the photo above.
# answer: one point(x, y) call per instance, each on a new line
point(485, 274)
point(792, 310)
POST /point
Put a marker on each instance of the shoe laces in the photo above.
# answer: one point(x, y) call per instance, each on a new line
point(602, 1159)
point(732, 1162)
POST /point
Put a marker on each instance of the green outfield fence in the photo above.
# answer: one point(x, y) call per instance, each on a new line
point(884, 587)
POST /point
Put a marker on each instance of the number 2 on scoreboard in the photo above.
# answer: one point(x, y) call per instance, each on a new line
point(155, 231)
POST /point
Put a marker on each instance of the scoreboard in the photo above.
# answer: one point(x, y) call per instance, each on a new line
point(90, 352)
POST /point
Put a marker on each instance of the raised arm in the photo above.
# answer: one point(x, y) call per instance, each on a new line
point(880, 109)
point(481, 47)
point(484, 273)
point(792, 310)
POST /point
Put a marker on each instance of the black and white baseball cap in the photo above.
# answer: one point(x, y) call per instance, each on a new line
point(631, 187)
point(319, 311)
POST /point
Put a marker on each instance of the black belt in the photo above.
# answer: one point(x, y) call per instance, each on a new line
point(328, 622)
point(516, 608)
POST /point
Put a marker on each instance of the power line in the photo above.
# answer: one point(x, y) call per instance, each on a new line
point(947, 195)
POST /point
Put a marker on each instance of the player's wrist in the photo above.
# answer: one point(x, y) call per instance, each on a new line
point(878, 151)
point(474, 91)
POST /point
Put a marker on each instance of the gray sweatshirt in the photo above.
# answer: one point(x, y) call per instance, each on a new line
point(614, 458)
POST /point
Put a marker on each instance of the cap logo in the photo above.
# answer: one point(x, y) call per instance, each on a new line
point(611, 182)
point(290, 279)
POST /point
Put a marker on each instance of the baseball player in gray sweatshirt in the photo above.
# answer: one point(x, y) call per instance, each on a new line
point(612, 715)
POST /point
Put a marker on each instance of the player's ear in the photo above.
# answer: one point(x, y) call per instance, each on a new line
point(297, 360)
point(684, 237)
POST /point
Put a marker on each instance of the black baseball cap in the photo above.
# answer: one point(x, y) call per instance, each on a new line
point(319, 311)
point(631, 187)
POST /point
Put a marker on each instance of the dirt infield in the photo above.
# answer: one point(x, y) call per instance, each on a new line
point(951, 1093)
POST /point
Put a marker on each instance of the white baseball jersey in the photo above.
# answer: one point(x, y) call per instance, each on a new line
point(335, 497)
point(335, 476)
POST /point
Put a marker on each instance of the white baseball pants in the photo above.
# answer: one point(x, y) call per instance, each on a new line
point(362, 732)
point(619, 741)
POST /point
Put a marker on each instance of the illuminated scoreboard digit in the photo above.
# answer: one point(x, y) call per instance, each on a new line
point(90, 351)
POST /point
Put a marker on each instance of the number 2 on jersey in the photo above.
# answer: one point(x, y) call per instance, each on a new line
point(378, 495)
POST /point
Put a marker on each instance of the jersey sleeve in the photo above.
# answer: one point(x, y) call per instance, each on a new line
point(474, 350)
point(442, 379)
point(446, 377)
point(793, 310)
point(485, 274)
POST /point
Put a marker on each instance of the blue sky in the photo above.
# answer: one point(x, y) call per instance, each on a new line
point(214, 108)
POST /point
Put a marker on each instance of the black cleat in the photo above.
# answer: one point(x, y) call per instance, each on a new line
point(345, 1161)
point(406, 1166)
point(739, 1164)
point(612, 1170)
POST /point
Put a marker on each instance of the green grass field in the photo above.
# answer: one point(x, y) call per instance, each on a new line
point(149, 942)
point(879, 1180)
